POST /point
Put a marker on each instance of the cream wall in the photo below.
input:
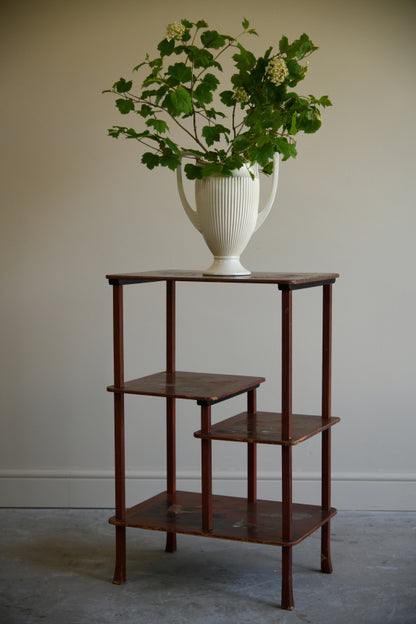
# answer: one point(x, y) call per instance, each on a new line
point(77, 205)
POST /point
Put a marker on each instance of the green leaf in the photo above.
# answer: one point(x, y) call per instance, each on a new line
point(245, 23)
point(115, 131)
point(178, 102)
point(131, 133)
point(283, 45)
point(268, 169)
point(186, 23)
point(267, 53)
point(324, 101)
point(227, 98)
point(145, 110)
point(300, 47)
point(310, 121)
point(172, 145)
point(152, 78)
point(170, 160)
point(201, 24)
point(235, 161)
point(285, 148)
point(211, 81)
point(125, 105)
point(150, 160)
point(201, 58)
point(241, 143)
point(122, 85)
point(245, 61)
point(296, 72)
point(212, 134)
point(159, 93)
point(275, 120)
point(203, 92)
point(193, 172)
point(262, 154)
point(180, 73)
point(211, 169)
point(211, 113)
point(139, 65)
point(156, 63)
point(166, 47)
point(202, 95)
point(212, 39)
point(158, 124)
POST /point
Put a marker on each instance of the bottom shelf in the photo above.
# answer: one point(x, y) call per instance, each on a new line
point(232, 518)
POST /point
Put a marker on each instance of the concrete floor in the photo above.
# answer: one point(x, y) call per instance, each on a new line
point(56, 568)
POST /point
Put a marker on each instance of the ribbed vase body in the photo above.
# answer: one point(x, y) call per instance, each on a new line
point(227, 209)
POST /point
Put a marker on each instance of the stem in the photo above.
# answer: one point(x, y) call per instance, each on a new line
point(140, 101)
point(233, 120)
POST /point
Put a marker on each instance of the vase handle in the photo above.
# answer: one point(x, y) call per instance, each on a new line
point(263, 213)
point(192, 214)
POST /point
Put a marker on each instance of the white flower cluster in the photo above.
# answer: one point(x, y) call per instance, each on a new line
point(240, 95)
point(175, 30)
point(277, 71)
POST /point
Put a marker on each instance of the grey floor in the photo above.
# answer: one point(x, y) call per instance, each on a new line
point(56, 568)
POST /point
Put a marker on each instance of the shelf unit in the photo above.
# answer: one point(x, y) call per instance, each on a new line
point(205, 514)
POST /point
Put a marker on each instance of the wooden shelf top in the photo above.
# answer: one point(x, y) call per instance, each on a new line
point(232, 518)
point(206, 388)
point(285, 281)
point(266, 428)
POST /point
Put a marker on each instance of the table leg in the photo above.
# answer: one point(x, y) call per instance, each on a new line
point(120, 565)
point(287, 582)
point(326, 564)
point(251, 450)
point(119, 436)
point(170, 403)
point(206, 460)
point(287, 579)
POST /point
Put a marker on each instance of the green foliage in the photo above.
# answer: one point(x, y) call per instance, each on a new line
point(261, 112)
point(212, 39)
point(179, 73)
point(125, 105)
point(212, 134)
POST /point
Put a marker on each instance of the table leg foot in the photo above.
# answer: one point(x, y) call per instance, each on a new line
point(326, 563)
point(120, 567)
point(170, 543)
point(287, 583)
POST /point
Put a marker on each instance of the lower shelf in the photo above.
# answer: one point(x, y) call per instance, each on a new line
point(233, 518)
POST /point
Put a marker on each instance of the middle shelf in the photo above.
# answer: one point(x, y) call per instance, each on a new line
point(266, 428)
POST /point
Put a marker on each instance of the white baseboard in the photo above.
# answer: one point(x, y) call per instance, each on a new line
point(95, 489)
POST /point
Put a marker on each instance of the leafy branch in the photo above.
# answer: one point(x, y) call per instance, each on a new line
point(261, 114)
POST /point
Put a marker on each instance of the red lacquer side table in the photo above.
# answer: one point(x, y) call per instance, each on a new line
point(205, 514)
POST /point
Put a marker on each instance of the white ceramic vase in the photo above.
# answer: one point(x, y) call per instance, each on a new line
point(227, 214)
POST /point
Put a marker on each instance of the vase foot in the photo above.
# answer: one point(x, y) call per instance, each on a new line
point(226, 266)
